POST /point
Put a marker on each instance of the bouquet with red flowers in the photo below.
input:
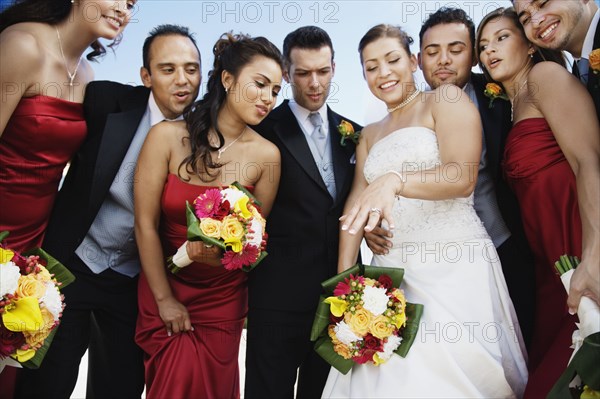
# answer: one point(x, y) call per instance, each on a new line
point(30, 303)
point(365, 318)
point(229, 219)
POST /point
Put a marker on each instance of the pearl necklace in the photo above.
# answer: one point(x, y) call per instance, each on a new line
point(406, 101)
point(222, 150)
point(71, 75)
point(512, 103)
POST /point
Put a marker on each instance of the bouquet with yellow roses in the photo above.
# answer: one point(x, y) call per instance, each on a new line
point(30, 304)
point(364, 317)
point(229, 219)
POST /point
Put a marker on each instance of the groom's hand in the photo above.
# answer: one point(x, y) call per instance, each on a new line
point(378, 240)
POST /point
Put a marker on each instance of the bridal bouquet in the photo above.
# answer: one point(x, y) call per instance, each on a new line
point(229, 219)
point(365, 318)
point(30, 304)
point(581, 379)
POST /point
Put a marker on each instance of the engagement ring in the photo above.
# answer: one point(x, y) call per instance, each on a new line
point(375, 210)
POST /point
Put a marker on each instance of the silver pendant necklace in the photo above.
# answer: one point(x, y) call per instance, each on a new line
point(406, 101)
point(62, 53)
point(222, 150)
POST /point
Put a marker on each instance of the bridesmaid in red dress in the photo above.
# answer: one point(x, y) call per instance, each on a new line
point(43, 78)
point(189, 325)
point(552, 162)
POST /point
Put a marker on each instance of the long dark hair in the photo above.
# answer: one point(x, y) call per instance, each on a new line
point(231, 53)
point(50, 12)
point(539, 55)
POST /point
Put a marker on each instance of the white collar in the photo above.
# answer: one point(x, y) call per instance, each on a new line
point(588, 43)
point(156, 115)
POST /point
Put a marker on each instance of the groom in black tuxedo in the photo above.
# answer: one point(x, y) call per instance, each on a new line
point(316, 175)
point(91, 227)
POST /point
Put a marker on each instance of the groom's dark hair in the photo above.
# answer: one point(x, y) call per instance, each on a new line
point(448, 15)
point(306, 37)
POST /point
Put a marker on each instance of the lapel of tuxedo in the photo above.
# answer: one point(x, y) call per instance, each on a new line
point(290, 133)
point(593, 84)
point(118, 132)
point(495, 122)
point(340, 156)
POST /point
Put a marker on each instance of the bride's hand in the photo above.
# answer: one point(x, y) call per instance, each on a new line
point(373, 205)
point(174, 315)
point(585, 281)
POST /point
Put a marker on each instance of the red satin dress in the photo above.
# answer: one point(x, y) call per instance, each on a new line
point(545, 186)
point(202, 363)
point(40, 138)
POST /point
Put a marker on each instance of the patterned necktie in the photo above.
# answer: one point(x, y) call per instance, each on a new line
point(318, 134)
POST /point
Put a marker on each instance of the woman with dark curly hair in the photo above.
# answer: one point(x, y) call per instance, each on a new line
point(190, 324)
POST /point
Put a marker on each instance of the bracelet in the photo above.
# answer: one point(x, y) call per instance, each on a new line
point(402, 180)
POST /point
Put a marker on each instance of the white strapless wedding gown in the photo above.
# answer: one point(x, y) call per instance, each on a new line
point(469, 344)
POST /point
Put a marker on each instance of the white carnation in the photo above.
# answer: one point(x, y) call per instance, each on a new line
point(232, 195)
point(390, 346)
point(256, 237)
point(344, 333)
point(9, 278)
point(375, 300)
point(51, 300)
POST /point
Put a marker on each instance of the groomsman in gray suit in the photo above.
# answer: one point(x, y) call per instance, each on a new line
point(446, 56)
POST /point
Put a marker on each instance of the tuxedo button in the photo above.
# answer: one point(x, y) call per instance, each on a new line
point(325, 167)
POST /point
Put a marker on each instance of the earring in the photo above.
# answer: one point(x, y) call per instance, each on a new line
point(531, 55)
point(226, 90)
point(72, 1)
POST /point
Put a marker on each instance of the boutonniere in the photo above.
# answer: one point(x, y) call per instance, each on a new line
point(594, 59)
point(347, 132)
point(494, 91)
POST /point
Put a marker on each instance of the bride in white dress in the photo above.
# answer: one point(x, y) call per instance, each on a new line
point(426, 152)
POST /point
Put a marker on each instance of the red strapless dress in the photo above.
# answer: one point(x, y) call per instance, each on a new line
point(40, 138)
point(544, 183)
point(202, 363)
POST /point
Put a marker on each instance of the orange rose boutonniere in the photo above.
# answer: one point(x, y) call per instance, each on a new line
point(594, 59)
point(347, 132)
point(494, 91)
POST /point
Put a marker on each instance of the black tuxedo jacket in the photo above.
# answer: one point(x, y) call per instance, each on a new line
point(113, 112)
point(303, 227)
point(496, 126)
point(593, 78)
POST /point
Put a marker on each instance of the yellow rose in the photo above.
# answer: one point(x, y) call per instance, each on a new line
point(36, 337)
point(44, 275)
point(210, 227)
point(359, 321)
point(342, 350)
point(29, 285)
point(231, 228)
point(380, 327)
point(594, 59)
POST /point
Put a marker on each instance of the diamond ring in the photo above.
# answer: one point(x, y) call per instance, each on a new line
point(375, 210)
point(208, 246)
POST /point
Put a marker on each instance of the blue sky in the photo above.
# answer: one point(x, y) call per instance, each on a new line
point(345, 21)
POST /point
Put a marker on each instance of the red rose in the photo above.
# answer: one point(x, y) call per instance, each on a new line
point(365, 355)
point(222, 211)
point(9, 341)
point(385, 281)
point(372, 342)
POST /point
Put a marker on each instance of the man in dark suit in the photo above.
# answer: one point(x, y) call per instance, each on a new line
point(91, 230)
point(316, 175)
point(446, 56)
point(571, 26)
point(577, 33)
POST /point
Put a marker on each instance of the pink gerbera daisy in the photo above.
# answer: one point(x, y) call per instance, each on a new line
point(246, 257)
point(208, 203)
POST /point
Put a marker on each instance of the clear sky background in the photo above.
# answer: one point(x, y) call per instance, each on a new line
point(345, 21)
